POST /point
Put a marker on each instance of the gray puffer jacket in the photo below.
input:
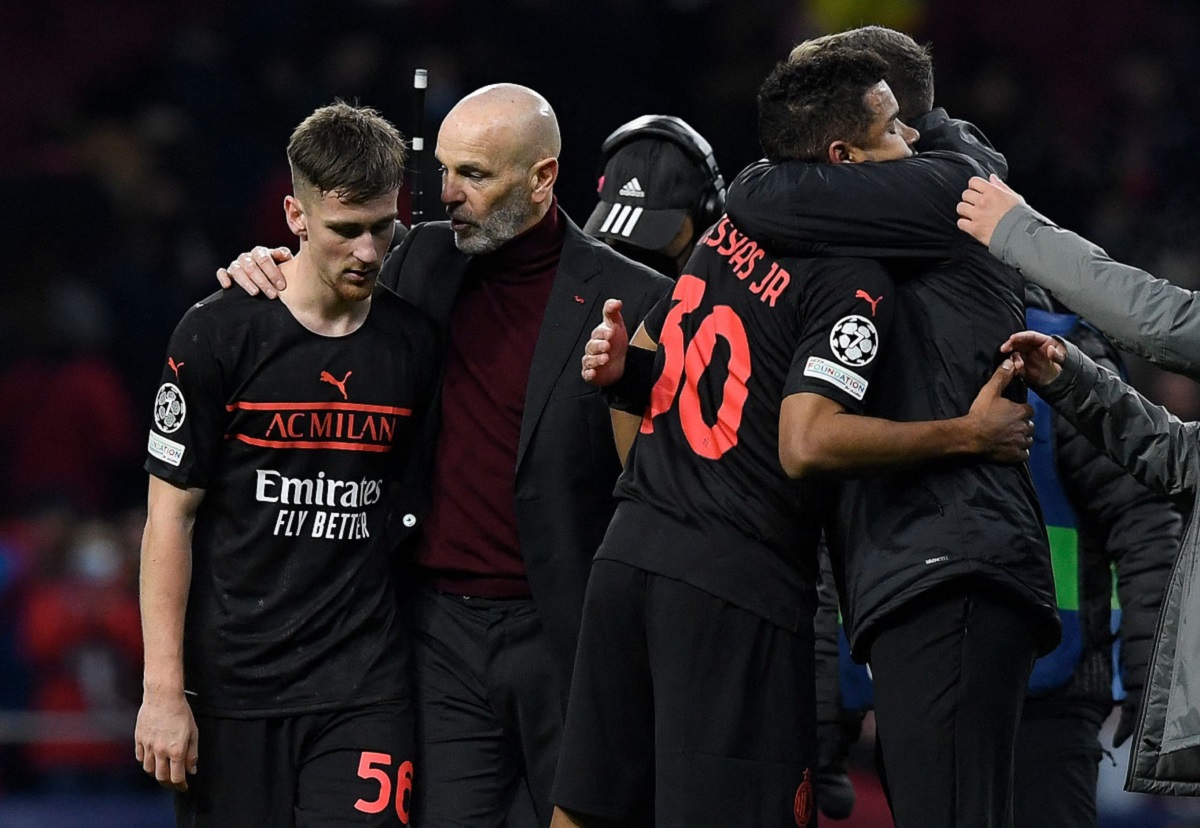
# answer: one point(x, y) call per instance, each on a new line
point(1143, 315)
point(1164, 454)
point(1160, 321)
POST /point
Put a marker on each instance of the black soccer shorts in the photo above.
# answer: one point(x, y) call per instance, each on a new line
point(342, 768)
point(686, 710)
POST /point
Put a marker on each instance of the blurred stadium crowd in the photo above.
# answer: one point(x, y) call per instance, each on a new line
point(143, 146)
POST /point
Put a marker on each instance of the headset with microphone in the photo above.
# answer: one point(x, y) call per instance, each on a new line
point(682, 134)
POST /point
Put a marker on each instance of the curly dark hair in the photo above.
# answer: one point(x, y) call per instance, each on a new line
point(805, 105)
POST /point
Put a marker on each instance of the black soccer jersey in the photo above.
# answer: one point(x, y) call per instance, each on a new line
point(900, 535)
point(294, 437)
point(742, 331)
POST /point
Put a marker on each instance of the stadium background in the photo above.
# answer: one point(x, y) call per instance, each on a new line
point(141, 146)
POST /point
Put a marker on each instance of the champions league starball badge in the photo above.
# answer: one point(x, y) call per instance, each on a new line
point(854, 340)
point(169, 408)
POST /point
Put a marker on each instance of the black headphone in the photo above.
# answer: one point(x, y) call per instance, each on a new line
point(679, 132)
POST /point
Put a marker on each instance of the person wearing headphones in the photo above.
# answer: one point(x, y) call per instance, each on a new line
point(659, 188)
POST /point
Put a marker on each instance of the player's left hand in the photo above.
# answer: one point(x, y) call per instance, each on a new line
point(1127, 721)
point(1002, 430)
point(604, 353)
point(166, 741)
point(1125, 725)
point(983, 204)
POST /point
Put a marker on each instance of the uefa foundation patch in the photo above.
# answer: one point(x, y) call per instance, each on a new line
point(836, 375)
point(165, 450)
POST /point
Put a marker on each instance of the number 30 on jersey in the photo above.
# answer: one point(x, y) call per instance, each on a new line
point(684, 366)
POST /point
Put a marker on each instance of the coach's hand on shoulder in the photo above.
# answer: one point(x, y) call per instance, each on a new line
point(604, 354)
point(166, 741)
point(1002, 429)
point(983, 204)
point(256, 270)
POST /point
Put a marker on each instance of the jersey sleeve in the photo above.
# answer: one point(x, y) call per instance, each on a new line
point(657, 315)
point(189, 407)
point(846, 320)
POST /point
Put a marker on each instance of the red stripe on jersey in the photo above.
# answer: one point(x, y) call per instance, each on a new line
point(307, 444)
point(317, 406)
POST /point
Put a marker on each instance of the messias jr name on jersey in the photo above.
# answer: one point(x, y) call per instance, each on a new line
point(323, 494)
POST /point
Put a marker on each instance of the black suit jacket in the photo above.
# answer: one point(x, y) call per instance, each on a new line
point(567, 461)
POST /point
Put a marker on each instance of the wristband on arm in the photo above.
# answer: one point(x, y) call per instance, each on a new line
point(631, 393)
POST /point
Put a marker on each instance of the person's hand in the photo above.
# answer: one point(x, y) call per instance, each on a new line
point(835, 791)
point(1038, 357)
point(166, 741)
point(255, 271)
point(1002, 430)
point(983, 204)
point(604, 353)
point(1125, 725)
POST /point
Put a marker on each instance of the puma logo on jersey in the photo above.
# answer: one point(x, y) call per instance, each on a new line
point(341, 384)
point(862, 294)
point(174, 366)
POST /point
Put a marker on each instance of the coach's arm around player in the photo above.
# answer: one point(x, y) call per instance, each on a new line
point(166, 738)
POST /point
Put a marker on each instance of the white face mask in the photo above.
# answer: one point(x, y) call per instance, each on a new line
point(96, 559)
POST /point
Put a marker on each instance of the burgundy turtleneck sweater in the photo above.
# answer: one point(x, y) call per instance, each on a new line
point(470, 545)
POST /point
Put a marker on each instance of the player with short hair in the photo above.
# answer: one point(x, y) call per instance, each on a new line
point(660, 188)
point(501, 555)
point(909, 74)
point(269, 617)
point(692, 701)
point(945, 574)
